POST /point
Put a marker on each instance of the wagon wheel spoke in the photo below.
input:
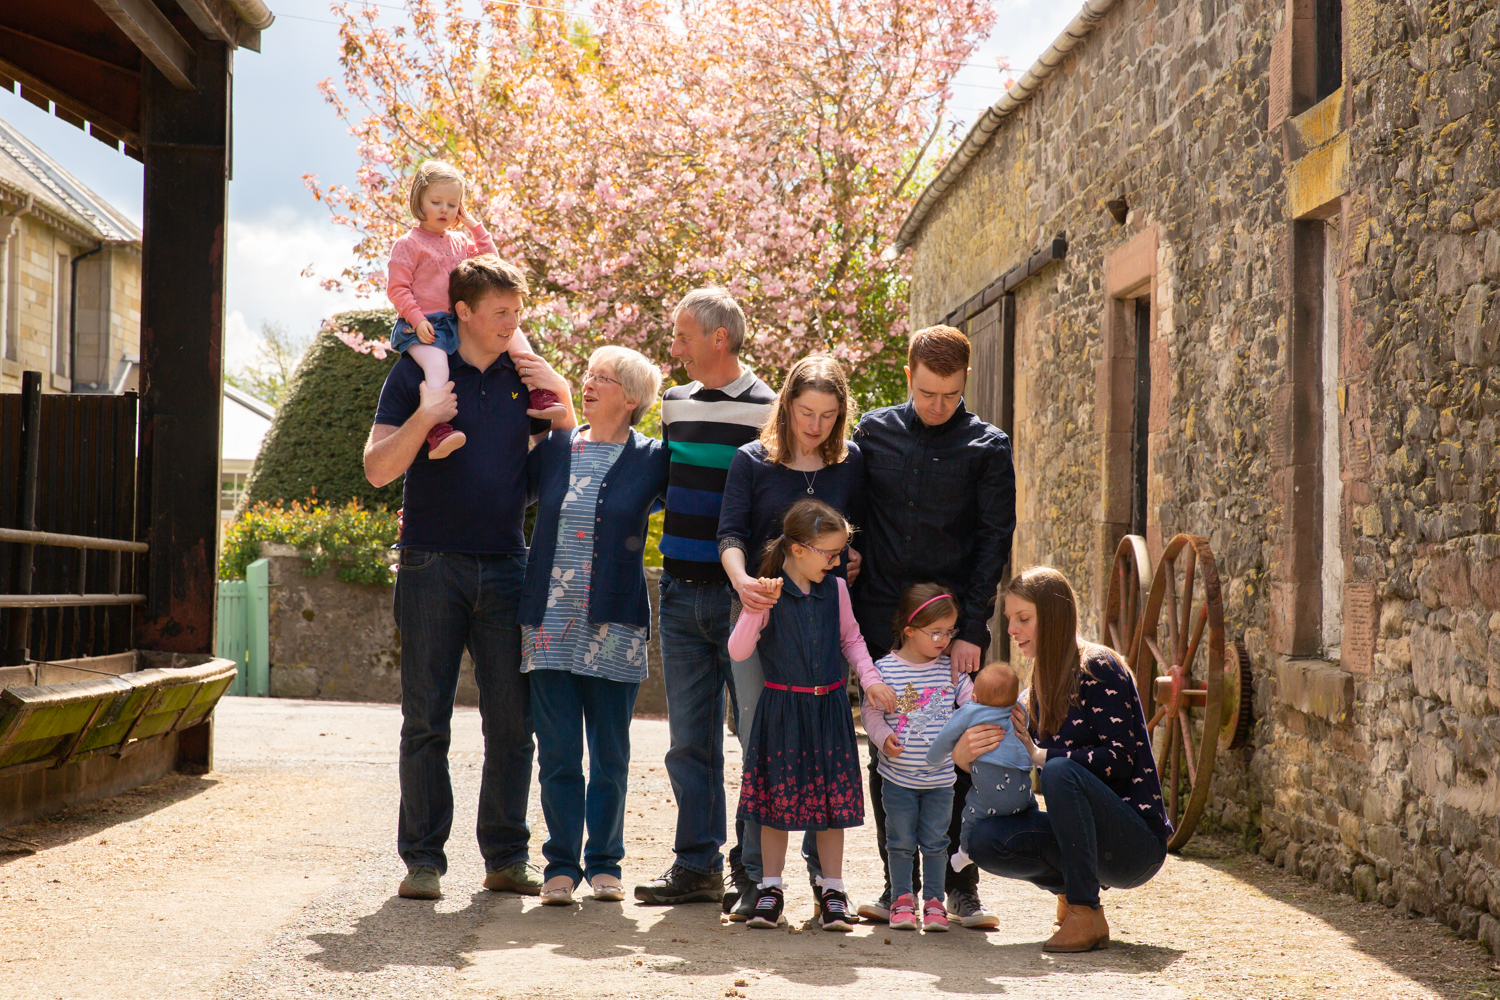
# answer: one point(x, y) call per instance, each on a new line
point(1161, 710)
point(1170, 610)
point(1190, 753)
point(1156, 652)
point(1192, 650)
point(1174, 757)
point(1186, 610)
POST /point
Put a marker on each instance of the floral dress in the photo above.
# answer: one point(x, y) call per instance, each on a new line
point(566, 640)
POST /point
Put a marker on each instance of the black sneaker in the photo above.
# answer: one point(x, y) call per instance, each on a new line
point(681, 885)
point(769, 905)
point(744, 907)
point(817, 891)
point(833, 908)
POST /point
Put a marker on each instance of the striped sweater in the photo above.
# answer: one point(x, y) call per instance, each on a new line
point(702, 429)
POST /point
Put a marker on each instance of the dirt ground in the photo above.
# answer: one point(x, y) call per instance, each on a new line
point(275, 877)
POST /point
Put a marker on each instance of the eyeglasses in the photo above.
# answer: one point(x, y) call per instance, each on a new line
point(596, 377)
point(830, 556)
point(942, 636)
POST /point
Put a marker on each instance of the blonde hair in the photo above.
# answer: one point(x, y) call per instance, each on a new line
point(638, 377)
point(997, 685)
point(434, 172)
point(814, 373)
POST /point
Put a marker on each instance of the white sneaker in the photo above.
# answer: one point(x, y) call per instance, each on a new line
point(558, 891)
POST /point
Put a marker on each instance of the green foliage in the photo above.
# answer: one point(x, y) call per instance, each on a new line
point(276, 358)
point(351, 538)
point(315, 448)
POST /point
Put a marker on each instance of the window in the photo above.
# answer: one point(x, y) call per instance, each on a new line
point(62, 315)
point(1328, 31)
point(1330, 470)
point(1141, 425)
point(10, 292)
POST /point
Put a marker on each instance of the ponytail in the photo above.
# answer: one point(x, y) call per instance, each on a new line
point(805, 520)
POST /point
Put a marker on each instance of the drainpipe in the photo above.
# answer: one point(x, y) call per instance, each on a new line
point(73, 315)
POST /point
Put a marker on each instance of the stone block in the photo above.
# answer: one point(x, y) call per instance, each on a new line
point(293, 682)
point(1366, 885)
point(1489, 933)
point(1432, 659)
point(1316, 182)
point(1316, 687)
point(1469, 340)
point(1361, 622)
point(1466, 922)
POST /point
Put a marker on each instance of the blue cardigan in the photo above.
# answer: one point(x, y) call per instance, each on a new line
point(635, 486)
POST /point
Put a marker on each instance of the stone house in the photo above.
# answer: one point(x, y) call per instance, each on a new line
point(70, 278)
point(1229, 267)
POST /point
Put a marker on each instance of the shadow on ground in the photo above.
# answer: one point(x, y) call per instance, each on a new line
point(1417, 947)
point(689, 941)
point(83, 821)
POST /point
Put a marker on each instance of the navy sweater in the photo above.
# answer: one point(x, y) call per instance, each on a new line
point(1105, 731)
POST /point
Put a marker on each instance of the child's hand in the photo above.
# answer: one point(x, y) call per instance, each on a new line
point(771, 588)
point(883, 695)
point(425, 332)
point(892, 746)
point(468, 220)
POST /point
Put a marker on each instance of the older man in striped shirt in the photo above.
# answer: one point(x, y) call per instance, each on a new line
point(703, 423)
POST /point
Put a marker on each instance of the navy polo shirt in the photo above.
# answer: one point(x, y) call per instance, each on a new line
point(475, 499)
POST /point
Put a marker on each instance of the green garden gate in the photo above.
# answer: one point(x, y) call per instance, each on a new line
point(244, 633)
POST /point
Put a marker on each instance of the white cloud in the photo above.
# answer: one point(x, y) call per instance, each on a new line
point(267, 255)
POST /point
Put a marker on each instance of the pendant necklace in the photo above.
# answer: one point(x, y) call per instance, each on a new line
point(810, 480)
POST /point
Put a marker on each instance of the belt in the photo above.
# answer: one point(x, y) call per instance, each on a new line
point(820, 689)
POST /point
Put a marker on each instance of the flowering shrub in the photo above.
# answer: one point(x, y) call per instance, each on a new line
point(352, 538)
point(772, 146)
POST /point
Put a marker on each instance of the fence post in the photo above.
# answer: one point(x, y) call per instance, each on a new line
point(233, 631)
point(17, 651)
point(258, 588)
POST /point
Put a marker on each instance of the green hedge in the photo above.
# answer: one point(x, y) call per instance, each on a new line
point(315, 447)
point(353, 539)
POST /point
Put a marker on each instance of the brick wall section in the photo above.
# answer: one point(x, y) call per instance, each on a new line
point(1378, 774)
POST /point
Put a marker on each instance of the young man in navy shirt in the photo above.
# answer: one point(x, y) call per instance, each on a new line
point(463, 557)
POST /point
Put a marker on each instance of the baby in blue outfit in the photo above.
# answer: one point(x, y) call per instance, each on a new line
point(1002, 776)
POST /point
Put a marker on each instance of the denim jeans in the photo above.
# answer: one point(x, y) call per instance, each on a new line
point(571, 708)
point(696, 668)
point(1087, 837)
point(749, 682)
point(444, 603)
point(917, 818)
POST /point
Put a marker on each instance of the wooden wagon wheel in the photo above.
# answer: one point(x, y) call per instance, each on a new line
point(1185, 699)
point(1125, 599)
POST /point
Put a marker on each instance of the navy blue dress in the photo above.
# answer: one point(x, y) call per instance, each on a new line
point(802, 769)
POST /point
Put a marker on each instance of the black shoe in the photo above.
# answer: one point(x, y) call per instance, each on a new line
point(681, 885)
point(744, 907)
point(833, 908)
point(817, 891)
point(768, 908)
point(739, 885)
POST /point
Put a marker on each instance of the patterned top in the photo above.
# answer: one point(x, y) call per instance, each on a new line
point(565, 640)
point(926, 697)
point(417, 276)
point(1105, 731)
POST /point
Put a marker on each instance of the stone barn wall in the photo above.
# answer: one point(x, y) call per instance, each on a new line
point(1375, 762)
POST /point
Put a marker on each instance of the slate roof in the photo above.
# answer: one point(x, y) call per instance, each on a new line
point(23, 165)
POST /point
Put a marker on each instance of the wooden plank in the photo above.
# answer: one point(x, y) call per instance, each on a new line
point(145, 25)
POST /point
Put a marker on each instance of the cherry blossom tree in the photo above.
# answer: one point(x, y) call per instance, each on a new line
point(657, 145)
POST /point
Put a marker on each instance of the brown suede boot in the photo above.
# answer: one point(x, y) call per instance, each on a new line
point(1079, 932)
point(1062, 911)
point(1101, 927)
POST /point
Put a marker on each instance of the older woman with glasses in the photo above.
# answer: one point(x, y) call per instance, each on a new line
point(585, 617)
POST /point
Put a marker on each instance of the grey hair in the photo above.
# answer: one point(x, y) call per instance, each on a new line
point(429, 173)
point(639, 378)
point(713, 307)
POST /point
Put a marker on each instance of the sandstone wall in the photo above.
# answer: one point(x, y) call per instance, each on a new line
point(1377, 771)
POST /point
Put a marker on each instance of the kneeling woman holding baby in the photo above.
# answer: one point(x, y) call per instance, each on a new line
point(1081, 722)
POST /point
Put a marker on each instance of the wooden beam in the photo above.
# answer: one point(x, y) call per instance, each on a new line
point(154, 35)
point(215, 18)
point(100, 92)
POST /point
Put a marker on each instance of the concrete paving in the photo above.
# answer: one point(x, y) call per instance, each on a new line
point(275, 877)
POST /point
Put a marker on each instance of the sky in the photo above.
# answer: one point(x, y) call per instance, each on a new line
point(283, 129)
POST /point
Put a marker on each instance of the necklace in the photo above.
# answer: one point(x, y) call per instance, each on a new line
point(810, 480)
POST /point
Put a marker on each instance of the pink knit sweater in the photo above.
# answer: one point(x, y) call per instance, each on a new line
point(417, 277)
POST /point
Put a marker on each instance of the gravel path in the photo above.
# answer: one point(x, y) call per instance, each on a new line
point(275, 877)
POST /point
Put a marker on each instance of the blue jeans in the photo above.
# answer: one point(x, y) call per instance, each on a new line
point(446, 602)
point(696, 668)
point(917, 818)
point(571, 708)
point(1088, 837)
point(749, 682)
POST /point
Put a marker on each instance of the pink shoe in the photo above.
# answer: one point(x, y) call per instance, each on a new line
point(934, 916)
point(542, 399)
point(443, 441)
point(904, 914)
